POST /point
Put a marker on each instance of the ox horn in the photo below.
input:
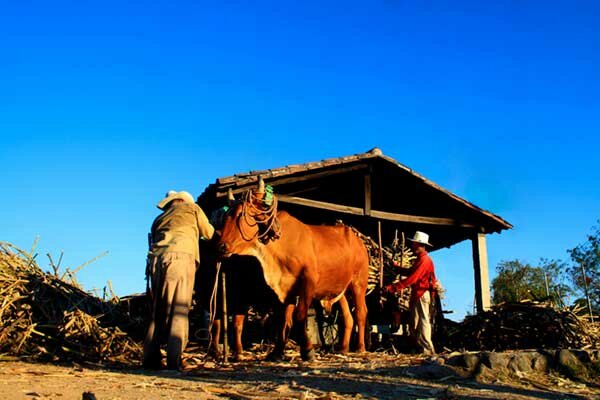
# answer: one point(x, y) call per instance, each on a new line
point(261, 185)
point(230, 197)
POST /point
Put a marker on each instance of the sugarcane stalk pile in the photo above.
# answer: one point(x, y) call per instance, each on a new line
point(44, 317)
point(524, 325)
point(397, 259)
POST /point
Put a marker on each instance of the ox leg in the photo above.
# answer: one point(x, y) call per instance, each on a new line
point(306, 347)
point(360, 315)
point(348, 325)
point(213, 348)
point(288, 322)
point(284, 321)
point(238, 328)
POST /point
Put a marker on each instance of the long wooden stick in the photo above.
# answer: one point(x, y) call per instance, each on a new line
point(225, 335)
point(380, 260)
point(402, 251)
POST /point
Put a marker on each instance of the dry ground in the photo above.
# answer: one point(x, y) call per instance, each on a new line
point(372, 376)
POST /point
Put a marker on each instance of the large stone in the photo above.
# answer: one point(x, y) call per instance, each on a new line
point(431, 371)
point(571, 365)
point(468, 361)
point(520, 362)
point(495, 360)
point(542, 362)
point(486, 375)
point(471, 361)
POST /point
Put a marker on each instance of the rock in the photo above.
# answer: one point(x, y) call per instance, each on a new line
point(495, 360)
point(431, 371)
point(520, 362)
point(465, 364)
point(541, 362)
point(471, 361)
point(485, 374)
point(571, 365)
point(583, 355)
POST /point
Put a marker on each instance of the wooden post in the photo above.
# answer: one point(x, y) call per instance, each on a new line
point(225, 334)
point(367, 209)
point(482, 279)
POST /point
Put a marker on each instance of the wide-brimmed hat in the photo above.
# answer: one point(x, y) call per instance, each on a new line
point(420, 237)
point(174, 195)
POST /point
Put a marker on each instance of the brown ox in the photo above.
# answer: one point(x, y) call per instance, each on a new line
point(300, 263)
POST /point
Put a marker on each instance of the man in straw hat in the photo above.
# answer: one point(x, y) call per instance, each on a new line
point(421, 281)
point(173, 258)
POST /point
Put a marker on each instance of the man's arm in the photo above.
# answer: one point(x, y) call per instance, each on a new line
point(419, 270)
point(204, 226)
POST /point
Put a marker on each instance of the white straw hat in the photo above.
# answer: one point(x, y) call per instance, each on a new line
point(420, 237)
point(173, 195)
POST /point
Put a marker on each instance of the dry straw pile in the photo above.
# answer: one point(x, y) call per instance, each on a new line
point(44, 317)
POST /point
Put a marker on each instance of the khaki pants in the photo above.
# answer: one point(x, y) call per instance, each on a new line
point(421, 323)
point(172, 281)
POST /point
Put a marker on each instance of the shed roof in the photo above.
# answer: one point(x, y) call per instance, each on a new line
point(361, 190)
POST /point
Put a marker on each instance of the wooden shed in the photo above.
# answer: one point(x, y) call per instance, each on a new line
point(363, 189)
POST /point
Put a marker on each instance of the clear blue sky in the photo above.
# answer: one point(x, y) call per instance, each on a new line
point(104, 106)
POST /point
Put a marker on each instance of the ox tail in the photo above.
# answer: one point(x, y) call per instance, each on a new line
point(328, 303)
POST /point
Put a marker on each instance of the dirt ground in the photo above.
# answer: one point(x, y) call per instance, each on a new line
point(370, 376)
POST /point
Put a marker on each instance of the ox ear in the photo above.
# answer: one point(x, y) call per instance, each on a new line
point(230, 197)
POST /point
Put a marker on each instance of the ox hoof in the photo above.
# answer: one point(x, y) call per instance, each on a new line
point(152, 364)
point(275, 356)
point(214, 354)
point(175, 365)
point(237, 357)
point(308, 355)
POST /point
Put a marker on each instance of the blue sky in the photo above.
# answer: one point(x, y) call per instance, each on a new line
point(104, 106)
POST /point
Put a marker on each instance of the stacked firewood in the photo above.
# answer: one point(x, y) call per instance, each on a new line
point(45, 317)
point(524, 325)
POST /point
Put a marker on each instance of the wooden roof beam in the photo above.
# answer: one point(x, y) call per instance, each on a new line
point(373, 213)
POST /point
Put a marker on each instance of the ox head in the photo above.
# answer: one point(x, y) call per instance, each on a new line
point(249, 223)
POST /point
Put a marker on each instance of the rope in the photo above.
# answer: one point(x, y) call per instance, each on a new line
point(250, 212)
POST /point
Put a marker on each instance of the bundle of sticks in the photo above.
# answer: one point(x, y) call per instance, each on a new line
point(524, 325)
point(44, 317)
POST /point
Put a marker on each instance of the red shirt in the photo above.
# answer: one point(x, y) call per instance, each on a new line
point(420, 280)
